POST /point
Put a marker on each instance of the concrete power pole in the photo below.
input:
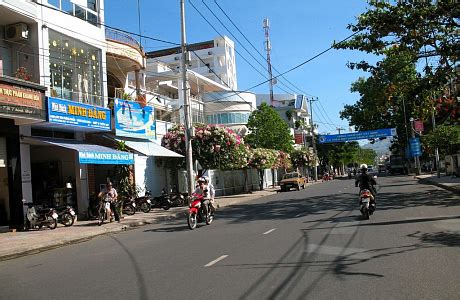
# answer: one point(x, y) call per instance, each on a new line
point(315, 169)
point(187, 106)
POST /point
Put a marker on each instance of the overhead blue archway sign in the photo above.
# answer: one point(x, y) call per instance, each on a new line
point(354, 136)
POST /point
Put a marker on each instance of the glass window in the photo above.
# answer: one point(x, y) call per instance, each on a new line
point(231, 118)
point(209, 118)
point(224, 119)
point(75, 70)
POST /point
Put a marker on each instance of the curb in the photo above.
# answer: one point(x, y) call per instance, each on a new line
point(446, 187)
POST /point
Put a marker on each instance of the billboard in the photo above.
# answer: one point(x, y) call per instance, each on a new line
point(133, 120)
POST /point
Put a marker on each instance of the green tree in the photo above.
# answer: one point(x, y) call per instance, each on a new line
point(407, 34)
point(268, 130)
point(446, 138)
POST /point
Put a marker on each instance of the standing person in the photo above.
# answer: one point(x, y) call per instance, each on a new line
point(212, 193)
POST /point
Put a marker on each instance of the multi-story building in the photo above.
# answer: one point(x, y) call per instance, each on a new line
point(293, 109)
point(213, 59)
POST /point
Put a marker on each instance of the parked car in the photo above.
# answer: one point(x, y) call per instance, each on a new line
point(382, 168)
point(370, 169)
point(292, 180)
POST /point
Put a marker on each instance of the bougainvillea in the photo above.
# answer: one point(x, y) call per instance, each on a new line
point(214, 147)
point(283, 161)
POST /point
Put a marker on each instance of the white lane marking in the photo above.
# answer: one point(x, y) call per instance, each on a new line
point(271, 230)
point(215, 261)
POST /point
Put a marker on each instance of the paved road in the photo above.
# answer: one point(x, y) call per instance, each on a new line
point(294, 245)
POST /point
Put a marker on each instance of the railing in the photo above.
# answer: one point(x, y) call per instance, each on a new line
point(118, 36)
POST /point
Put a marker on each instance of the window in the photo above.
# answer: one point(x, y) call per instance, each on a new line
point(83, 9)
point(75, 70)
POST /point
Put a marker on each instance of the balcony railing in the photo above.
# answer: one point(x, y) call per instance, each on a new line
point(118, 36)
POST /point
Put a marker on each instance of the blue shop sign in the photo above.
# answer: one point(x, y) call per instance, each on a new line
point(77, 114)
point(360, 135)
point(106, 158)
point(133, 120)
point(415, 148)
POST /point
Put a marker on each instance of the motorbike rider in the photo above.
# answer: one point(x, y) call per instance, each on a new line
point(366, 181)
point(202, 189)
point(111, 192)
point(212, 193)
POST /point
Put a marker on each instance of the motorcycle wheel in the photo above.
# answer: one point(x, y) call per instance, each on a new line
point(365, 213)
point(209, 217)
point(129, 210)
point(166, 206)
point(101, 216)
point(52, 223)
point(67, 220)
point(145, 207)
point(192, 221)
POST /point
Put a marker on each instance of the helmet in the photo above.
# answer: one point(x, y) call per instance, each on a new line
point(364, 167)
point(201, 179)
point(206, 179)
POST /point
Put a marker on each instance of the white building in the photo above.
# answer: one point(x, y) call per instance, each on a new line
point(213, 59)
point(293, 109)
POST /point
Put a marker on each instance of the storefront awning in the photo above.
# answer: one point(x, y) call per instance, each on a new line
point(150, 148)
point(87, 153)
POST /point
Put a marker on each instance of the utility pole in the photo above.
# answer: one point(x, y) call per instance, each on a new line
point(315, 169)
point(268, 48)
point(186, 106)
point(339, 129)
point(433, 120)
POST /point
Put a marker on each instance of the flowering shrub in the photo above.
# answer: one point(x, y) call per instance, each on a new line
point(214, 147)
point(263, 158)
point(300, 158)
point(22, 73)
point(283, 161)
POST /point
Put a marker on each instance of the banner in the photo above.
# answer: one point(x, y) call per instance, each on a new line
point(133, 120)
point(360, 135)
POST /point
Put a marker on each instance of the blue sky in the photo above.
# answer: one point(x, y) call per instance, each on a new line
point(300, 29)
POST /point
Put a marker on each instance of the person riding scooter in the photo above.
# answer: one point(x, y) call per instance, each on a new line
point(366, 181)
point(202, 189)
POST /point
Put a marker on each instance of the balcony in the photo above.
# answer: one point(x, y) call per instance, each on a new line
point(123, 50)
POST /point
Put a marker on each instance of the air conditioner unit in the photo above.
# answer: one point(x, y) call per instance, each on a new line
point(17, 32)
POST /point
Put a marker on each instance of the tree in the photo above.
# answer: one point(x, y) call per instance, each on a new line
point(408, 34)
point(268, 130)
point(446, 138)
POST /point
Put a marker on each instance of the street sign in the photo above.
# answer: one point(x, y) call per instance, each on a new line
point(360, 135)
point(414, 145)
point(418, 125)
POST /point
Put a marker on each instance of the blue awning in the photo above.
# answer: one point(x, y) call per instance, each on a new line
point(87, 153)
point(149, 148)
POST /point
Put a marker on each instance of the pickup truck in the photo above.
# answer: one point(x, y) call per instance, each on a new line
point(292, 180)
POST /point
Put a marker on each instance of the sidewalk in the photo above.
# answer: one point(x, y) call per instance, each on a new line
point(445, 182)
point(16, 244)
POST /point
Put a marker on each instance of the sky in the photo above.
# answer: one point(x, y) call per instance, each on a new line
point(299, 30)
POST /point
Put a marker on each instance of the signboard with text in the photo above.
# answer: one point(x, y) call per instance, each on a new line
point(360, 135)
point(20, 101)
point(72, 113)
point(106, 158)
point(133, 120)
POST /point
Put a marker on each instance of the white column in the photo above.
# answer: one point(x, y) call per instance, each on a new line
point(26, 173)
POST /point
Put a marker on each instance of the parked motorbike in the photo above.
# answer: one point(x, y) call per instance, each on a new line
point(143, 203)
point(66, 215)
point(366, 203)
point(161, 201)
point(128, 206)
point(196, 212)
point(37, 217)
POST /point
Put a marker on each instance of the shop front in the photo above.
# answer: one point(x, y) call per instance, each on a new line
point(21, 104)
point(62, 160)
